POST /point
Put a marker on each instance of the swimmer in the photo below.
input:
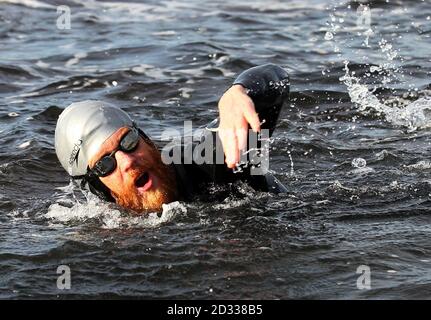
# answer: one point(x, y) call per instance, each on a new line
point(99, 145)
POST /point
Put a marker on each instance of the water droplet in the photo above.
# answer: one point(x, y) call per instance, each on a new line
point(375, 68)
point(329, 36)
point(359, 163)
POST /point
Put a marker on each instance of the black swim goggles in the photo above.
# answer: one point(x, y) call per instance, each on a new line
point(105, 166)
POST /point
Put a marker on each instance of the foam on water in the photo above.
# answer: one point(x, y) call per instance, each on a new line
point(108, 215)
point(111, 217)
point(421, 165)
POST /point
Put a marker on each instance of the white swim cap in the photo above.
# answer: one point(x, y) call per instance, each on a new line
point(82, 128)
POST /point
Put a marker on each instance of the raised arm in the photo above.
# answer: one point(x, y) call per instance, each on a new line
point(256, 96)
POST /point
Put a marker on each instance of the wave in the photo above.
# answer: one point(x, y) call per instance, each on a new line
point(35, 4)
point(13, 72)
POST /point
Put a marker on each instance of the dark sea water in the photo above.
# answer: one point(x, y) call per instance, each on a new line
point(353, 147)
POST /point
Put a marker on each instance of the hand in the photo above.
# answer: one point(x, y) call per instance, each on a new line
point(236, 112)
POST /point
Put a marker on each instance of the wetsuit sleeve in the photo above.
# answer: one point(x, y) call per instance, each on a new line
point(268, 87)
point(267, 81)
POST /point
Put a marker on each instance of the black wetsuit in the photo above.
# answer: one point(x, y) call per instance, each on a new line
point(268, 87)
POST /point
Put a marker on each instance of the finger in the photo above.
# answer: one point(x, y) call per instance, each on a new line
point(230, 146)
point(241, 135)
point(252, 117)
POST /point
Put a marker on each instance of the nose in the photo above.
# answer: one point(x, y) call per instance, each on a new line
point(125, 161)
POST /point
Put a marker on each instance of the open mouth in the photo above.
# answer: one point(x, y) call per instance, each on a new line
point(144, 182)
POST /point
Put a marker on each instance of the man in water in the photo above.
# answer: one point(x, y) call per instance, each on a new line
point(102, 146)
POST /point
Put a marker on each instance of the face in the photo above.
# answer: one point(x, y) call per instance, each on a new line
point(141, 181)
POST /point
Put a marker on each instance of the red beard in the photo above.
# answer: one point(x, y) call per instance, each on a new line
point(163, 189)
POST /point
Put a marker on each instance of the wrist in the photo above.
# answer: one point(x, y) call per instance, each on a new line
point(240, 88)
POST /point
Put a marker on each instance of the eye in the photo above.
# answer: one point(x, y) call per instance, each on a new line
point(130, 141)
point(105, 166)
point(99, 162)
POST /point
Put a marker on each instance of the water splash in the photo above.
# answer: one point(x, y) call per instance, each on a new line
point(111, 217)
point(415, 115)
point(291, 163)
point(388, 64)
point(334, 27)
point(75, 209)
